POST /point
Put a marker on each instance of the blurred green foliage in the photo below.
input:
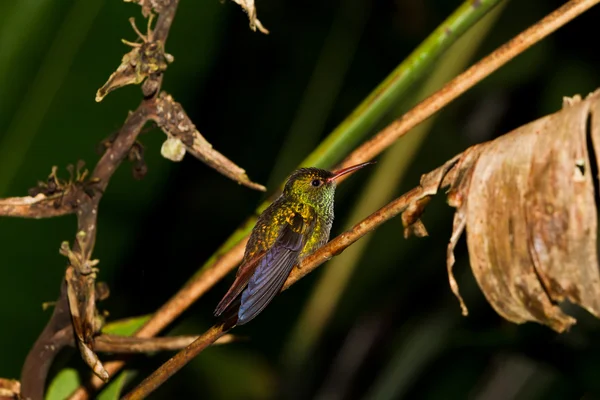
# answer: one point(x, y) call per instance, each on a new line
point(243, 90)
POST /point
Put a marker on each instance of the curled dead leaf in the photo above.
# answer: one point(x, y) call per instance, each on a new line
point(411, 218)
point(9, 389)
point(250, 9)
point(527, 202)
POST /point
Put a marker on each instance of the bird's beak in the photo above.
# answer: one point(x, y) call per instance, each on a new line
point(344, 171)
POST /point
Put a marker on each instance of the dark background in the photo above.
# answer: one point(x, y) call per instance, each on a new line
point(397, 331)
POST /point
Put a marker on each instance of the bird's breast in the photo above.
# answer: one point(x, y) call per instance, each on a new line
point(318, 237)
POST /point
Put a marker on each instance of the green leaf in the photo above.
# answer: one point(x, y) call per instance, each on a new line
point(115, 387)
point(125, 327)
point(63, 384)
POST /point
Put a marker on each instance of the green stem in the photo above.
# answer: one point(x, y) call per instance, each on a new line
point(359, 124)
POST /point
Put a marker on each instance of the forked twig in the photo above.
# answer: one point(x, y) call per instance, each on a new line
point(81, 196)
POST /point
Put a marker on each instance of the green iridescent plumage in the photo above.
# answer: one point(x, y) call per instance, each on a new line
point(313, 204)
point(293, 226)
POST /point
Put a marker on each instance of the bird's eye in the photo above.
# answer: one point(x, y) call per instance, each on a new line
point(316, 182)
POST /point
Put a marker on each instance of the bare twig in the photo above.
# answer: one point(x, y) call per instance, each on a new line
point(80, 274)
point(175, 363)
point(39, 206)
point(151, 5)
point(54, 197)
point(50, 342)
point(128, 344)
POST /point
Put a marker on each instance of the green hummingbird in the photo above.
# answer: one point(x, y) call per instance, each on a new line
point(292, 227)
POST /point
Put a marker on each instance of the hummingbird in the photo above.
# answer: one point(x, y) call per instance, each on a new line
point(292, 227)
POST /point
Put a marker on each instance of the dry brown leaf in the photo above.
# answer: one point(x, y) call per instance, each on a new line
point(459, 178)
point(9, 389)
point(411, 218)
point(527, 202)
point(250, 9)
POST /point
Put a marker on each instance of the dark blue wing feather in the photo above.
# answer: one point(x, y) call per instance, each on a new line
point(241, 280)
point(271, 273)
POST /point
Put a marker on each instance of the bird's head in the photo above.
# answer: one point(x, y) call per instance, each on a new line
point(315, 186)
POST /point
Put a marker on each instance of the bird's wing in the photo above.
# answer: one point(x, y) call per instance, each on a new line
point(272, 270)
point(241, 280)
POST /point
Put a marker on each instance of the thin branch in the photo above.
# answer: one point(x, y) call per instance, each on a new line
point(165, 20)
point(119, 148)
point(126, 344)
point(50, 342)
point(369, 150)
point(80, 274)
point(175, 363)
point(54, 197)
point(39, 206)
